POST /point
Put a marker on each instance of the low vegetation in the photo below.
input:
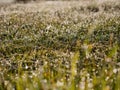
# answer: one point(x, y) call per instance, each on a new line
point(60, 45)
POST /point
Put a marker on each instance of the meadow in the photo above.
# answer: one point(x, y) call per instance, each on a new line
point(60, 45)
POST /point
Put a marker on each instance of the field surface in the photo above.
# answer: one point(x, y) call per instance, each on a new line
point(60, 45)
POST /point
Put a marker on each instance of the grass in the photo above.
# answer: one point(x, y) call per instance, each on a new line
point(60, 45)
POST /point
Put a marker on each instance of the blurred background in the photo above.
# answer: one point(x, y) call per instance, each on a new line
point(10, 1)
point(6, 1)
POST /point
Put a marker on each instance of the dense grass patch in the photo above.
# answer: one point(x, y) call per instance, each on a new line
point(72, 48)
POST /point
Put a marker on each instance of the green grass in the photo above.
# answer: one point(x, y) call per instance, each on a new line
point(75, 46)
